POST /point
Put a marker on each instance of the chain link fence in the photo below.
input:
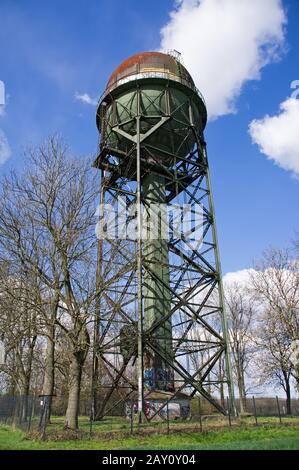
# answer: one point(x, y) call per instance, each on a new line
point(25, 412)
point(31, 413)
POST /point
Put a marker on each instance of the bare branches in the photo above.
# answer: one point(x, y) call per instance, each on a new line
point(276, 286)
point(240, 313)
point(47, 236)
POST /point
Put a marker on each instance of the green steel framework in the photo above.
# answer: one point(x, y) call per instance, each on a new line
point(197, 315)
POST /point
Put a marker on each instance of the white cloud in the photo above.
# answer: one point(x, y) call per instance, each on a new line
point(225, 43)
point(85, 98)
point(245, 279)
point(278, 136)
point(241, 278)
point(4, 148)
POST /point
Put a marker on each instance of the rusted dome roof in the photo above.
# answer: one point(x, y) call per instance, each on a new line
point(150, 63)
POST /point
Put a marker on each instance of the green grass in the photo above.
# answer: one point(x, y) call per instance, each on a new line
point(272, 437)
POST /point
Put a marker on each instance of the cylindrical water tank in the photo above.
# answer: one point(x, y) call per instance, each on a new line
point(150, 71)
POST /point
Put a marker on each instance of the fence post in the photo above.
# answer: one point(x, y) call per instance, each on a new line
point(132, 417)
point(199, 414)
point(254, 410)
point(228, 411)
point(167, 411)
point(278, 408)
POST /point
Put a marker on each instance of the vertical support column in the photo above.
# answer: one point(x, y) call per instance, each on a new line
point(139, 266)
point(225, 331)
point(156, 293)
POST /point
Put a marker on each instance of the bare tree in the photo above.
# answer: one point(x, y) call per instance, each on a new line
point(47, 225)
point(274, 361)
point(240, 314)
point(18, 330)
point(276, 285)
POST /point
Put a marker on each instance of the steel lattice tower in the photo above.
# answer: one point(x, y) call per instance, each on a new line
point(160, 301)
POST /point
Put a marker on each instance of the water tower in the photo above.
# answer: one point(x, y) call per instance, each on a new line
point(160, 327)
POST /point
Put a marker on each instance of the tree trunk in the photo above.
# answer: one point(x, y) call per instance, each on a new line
point(288, 397)
point(25, 375)
point(222, 398)
point(221, 385)
point(95, 405)
point(48, 386)
point(296, 375)
point(239, 384)
point(241, 403)
point(21, 410)
point(72, 412)
point(242, 393)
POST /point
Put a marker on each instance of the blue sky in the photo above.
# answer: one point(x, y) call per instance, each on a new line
point(52, 49)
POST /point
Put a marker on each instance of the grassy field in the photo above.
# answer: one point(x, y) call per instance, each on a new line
point(269, 435)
